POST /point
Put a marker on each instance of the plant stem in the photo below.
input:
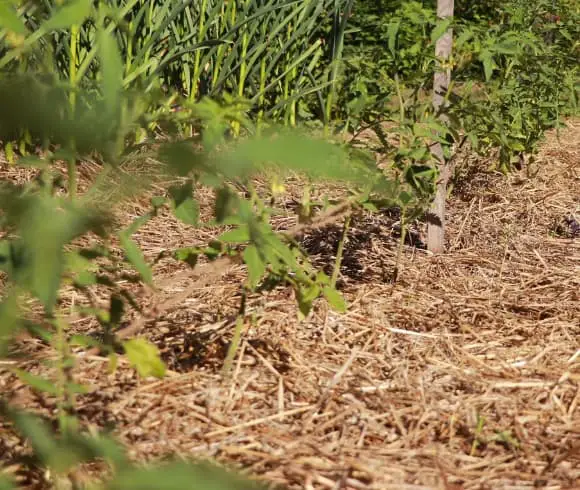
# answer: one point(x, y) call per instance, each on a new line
point(235, 343)
point(396, 270)
point(401, 109)
point(197, 56)
point(72, 163)
point(66, 401)
point(340, 252)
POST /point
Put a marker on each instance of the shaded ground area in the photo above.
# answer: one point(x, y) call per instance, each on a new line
point(464, 374)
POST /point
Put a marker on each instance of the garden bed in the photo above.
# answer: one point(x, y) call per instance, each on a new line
point(462, 374)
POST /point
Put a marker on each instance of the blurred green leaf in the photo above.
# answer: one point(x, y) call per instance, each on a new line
point(72, 13)
point(306, 295)
point(181, 158)
point(291, 150)
point(180, 476)
point(45, 225)
point(188, 212)
point(37, 382)
point(10, 20)
point(71, 448)
point(116, 309)
point(9, 320)
point(256, 266)
point(77, 388)
point(184, 207)
point(112, 71)
point(189, 255)
point(241, 234)
point(392, 31)
point(145, 357)
point(440, 29)
point(5, 482)
point(335, 299)
point(135, 256)
point(42, 441)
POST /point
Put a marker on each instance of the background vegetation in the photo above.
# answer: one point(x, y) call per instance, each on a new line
point(204, 86)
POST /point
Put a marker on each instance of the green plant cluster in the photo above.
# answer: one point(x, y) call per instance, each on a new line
point(271, 53)
point(71, 87)
point(514, 64)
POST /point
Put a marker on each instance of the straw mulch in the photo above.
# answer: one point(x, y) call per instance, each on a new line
point(463, 374)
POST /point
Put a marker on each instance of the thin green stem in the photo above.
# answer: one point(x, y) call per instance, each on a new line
point(235, 343)
point(66, 401)
point(340, 252)
point(401, 108)
point(197, 57)
point(73, 72)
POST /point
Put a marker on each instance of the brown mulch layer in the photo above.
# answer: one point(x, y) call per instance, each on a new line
point(462, 374)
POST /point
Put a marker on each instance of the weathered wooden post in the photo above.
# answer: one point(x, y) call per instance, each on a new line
point(442, 79)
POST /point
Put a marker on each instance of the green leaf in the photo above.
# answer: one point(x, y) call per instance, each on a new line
point(306, 295)
point(81, 269)
point(256, 266)
point(77, 388)
point(405, 198)
point(370, 206)
point(39, 331)
point(135, 256)
point(5, 483)
point(516, 145)
point(188, 212)
point(392, 30)
point(157, 201)
point(184, 207)
point(73, 13)
point(85, 278)
point(241, 234)
point(10, 20)
point(6, 258)
point(189, 255)
point(137, 224)
point(70, 449)
point(37, 382)
point(292, 150)
point(41, 439)
point(488, 64)
point(76, 262)
point(440, 29)
point(84, 341)
point(145, 357)
point(181, 158)
point(9, 321)
point(44, 234)
point(111, 70)
point(334, 298)
point(9, 152)
point(116, 309)
point(180, 476)
point(46, 224)
point(419, 153)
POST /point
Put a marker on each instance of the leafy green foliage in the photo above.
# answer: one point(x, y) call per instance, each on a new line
point(179, 476)
point(43, 224)
point(527, 64)
point(62, 454)
point(97, 113)
point(145, 357)
point(93, 78)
